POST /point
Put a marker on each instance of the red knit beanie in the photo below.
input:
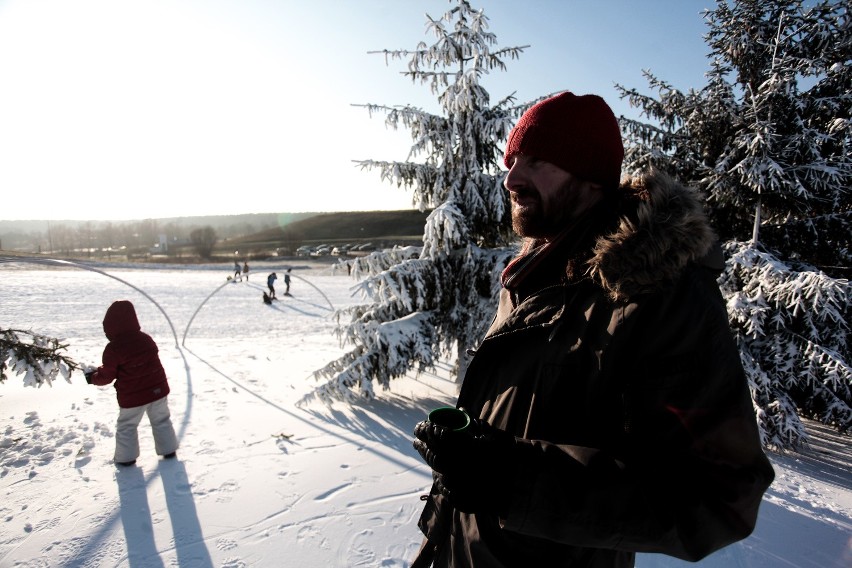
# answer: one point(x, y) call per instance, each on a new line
point(580, 134)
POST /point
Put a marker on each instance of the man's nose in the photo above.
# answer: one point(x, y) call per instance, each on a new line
point(513, 179)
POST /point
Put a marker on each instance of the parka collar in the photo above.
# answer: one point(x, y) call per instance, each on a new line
point(662, 228)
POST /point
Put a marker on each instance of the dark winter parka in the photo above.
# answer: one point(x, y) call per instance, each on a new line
point(131, 359)
point(611, 360)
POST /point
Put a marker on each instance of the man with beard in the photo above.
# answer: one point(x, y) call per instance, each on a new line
point(610, 413)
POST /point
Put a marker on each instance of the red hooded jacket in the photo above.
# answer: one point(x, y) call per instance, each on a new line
point(130, 359)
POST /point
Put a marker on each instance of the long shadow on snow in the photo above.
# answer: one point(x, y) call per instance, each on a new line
point(189, 542)
point(292, 303)
point(136, 518)
point(292, 300)
point(389, 420)
point(398, 442)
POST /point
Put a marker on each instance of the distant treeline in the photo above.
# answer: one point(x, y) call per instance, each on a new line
point(68, 236)
point(254, 233)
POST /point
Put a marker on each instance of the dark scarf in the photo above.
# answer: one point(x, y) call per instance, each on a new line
point(559, 260)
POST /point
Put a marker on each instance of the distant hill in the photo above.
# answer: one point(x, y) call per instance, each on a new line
point(355, 225)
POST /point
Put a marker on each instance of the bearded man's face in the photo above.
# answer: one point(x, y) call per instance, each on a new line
point(545, 198)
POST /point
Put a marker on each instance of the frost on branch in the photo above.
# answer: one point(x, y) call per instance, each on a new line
point(38, 359)
point(446, 229)
point(385, 350)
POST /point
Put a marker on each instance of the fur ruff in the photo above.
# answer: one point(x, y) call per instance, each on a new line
point(663, 229)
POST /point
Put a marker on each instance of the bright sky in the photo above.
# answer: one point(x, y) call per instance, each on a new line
point(119, 109)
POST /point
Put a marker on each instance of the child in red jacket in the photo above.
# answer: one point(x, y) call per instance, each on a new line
point(131, 360)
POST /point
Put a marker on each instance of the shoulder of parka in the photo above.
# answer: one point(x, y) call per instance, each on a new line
point(662, 228)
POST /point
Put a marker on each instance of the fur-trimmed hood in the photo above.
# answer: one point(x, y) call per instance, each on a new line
point(662, 227)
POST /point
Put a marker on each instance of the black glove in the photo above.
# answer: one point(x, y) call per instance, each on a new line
point(88, 375)
point(474, 467)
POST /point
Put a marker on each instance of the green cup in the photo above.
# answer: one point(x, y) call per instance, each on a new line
point(450, 417)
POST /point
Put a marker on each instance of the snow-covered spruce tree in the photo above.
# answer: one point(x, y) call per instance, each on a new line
point(768, 141)
point(38, 359)
point(436, 301)
point(792, 326)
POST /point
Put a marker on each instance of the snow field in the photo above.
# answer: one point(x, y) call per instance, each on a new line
point(260, 479)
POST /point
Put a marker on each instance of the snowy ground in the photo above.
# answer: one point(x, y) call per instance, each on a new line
point(260, 480)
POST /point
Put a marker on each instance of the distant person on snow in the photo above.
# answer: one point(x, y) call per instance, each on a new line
point(237, 270)
point(246, 270)
point(287, 282)
point(131, 359)
point(270, 283)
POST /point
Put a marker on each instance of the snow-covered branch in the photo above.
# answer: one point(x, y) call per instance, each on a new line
point(38, 358)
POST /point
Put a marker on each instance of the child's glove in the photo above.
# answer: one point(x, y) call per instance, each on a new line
point(475, 467)
point(88, 371)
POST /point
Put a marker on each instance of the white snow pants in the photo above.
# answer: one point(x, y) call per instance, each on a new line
point(127, 436)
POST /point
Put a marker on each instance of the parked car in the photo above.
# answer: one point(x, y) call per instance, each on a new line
point(321, 250)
